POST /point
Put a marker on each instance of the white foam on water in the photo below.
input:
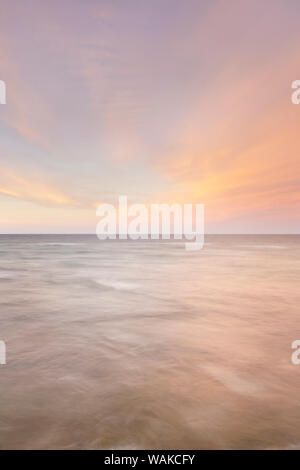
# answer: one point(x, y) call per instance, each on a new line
point(57, 244)
point(118, 285)
point(214, 252)
point(233, 381)
point(293, 447)
point(262, 247)
point(8, 275)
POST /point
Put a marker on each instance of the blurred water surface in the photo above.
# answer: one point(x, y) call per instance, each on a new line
point(142, 344)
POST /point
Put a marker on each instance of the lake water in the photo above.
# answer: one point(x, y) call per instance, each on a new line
point(142, 344)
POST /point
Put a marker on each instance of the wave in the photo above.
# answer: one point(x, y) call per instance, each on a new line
point(57, 243)
point(7, 275)
point(262, 247)
point(233, 381)
point(118, 285)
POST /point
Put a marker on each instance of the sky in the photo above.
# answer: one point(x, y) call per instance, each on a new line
point(160, 100)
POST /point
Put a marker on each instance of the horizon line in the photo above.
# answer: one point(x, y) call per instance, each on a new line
point(90, 234)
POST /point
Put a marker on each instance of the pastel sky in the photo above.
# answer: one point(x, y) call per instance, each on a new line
point(160, 100)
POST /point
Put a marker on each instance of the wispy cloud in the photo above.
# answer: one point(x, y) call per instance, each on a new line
point(186, 101)
point(34, 189)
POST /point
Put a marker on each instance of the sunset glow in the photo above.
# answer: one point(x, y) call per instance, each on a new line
point(166, 102)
